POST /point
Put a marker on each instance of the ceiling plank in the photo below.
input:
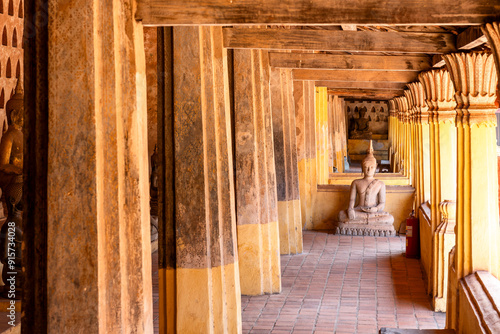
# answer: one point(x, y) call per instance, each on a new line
point(317, 12)
point(351, 96)
point(338, 40)
point(374, 85)
point(349, 62)
point(370, 92)
point(354, 75)
point(470, 38)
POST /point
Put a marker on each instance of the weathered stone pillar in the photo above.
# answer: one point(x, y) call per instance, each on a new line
point(393, 133)
point(422, 167)
point(256, 203)
point(338, 132)
point(408, 133)
point(443, 145)
point(397, 133)
point(285, 155)
point(322, 135)
point(439, 98)
point(403, 150)
point(477, 230)
point(411, 138)
point(331, 140)
point(444, 241)
point(415, 108)
point(303, 92)
point(401, 136)
point(198, 266)
point(97, 171)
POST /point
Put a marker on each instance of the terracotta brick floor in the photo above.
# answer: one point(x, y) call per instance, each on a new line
point(341, 284)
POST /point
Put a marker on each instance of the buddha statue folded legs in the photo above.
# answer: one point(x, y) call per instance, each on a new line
point(368, 217)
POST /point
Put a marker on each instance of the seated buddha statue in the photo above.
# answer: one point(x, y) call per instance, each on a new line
point(361, 126)
point(368, 216)
point(11, 183)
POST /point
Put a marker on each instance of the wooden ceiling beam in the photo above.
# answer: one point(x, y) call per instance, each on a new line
point(349, 62)
point(373, 85)
point(380, 97)
point(354, 75)
point(338, 40)
point(317, 12)
point(365, 92)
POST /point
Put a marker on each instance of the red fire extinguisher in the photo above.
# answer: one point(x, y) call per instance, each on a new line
point(412, 237)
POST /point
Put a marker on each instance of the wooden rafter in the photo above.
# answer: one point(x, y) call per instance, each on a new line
point(349, 62)
point(373, 85)
point(317, 12)
point(332, 40)
point(354, 75)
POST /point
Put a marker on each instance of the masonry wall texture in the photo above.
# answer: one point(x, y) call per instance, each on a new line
point(378, 111)
point(11, 52)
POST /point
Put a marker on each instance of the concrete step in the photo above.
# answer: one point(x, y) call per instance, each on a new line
point(385, 330)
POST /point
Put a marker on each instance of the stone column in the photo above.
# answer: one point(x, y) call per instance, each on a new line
point(303, 92)
point(444, 241)
point(397, 127)
point(321, 107)
point(401, 136)
point(408, 150)
point(338, 133)
point(97, 171)
point(415, 108)
point(256, 202)
point(422, 167)
point(475, 80)
point(393, 133)
point(402, 161)
point(443, 145)
point(411, 138)
point(285, 155)
point(331, 135)
point(199, 275)
point(439, 98)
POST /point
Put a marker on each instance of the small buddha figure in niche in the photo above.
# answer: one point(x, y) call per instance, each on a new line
point(361, 129)
point(11, 183)
point(368, 216)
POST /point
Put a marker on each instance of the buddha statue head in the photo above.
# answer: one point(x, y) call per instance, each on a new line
point(16, 106)
point(369, 163)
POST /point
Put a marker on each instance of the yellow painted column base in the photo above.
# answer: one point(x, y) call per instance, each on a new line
point(298, 225)
point(307, 188)
point(290, 227)
point(167, 307)
point(439, 304)
point(259, 258)
point(203, 301)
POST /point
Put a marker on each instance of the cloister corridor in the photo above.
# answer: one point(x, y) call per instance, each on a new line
point(340, 284)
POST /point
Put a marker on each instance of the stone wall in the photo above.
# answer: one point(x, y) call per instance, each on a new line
point(377, 111)
point(11, 52)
